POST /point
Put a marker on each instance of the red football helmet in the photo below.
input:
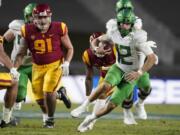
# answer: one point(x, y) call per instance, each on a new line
point(42, 16)
point(94, 43)
point(95, 35)
point(42, 10)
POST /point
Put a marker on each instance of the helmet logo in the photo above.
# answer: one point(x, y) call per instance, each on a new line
point(43, 13)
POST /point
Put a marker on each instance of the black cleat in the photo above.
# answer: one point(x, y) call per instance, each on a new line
point(49, 123)
point(14, 121)
point(3, 124)
point(63, 96)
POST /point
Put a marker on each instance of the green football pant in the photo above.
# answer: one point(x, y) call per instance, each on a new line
point(25, 74)
point(123, 89)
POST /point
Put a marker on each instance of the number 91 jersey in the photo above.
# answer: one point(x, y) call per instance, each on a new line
point(45, 47)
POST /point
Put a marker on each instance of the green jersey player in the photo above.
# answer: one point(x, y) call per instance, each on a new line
point(125, 73)
point(13, 34)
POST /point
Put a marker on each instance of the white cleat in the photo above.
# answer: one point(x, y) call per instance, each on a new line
point(129, 117)
point(91, 125)
point(85, 125)
point(76, 113)
point(140, 111)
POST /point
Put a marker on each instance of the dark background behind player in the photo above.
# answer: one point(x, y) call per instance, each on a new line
point(160, 20)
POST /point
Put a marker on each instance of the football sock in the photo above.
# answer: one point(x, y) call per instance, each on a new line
point(45, 117)
point(7, 114)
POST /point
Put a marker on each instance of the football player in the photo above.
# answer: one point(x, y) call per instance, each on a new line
point(8, 81)
point(127, 104)
point(124, 74)
point(101, 61)
point(25, 70)
point(45, 38)
point(143, 93)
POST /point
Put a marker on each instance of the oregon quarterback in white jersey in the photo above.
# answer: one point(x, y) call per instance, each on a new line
point(143, 93)
point(124, 74)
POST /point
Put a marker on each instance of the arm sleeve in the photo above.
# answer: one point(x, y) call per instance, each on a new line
point(145, 48)
point(140, 39)
point(85, 58)
point(113, 32)
point(64, 28)
point(23, 31)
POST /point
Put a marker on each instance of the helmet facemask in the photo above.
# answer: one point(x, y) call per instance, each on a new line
point(125, 21)
point(42, 17)
point(42, 22)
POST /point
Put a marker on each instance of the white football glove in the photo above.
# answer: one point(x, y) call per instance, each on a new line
point(151, 44)
point(65, 68)
point(15, 74)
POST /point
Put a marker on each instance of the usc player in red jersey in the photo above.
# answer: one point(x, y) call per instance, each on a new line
point(45, 38)
point(8, 81)
point(102, 61)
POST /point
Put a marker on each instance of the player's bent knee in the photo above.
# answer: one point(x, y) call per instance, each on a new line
point(112, 105)
point(143, 93)
point(106, 86)
point(40, 102)
point(127, 104)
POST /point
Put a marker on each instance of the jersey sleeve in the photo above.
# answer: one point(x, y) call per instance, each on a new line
point(1, 40)
point(140, 39)
point(113, 33)
point(145, 48)
point(140, 36)
point(85, 58)
point(114, 50)
point(23, 31)
point(64, 29)
point(15, 26)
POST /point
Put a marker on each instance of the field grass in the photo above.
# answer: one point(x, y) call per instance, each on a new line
point(31, 124)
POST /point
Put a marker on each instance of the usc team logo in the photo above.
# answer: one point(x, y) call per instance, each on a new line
point(32, 37)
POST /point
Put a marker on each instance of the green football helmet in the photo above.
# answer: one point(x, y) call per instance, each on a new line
point(28, 11)
point(122, 4)
point(125, 16)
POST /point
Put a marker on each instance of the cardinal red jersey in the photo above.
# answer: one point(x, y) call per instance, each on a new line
point(102, 63)
point(45, 47)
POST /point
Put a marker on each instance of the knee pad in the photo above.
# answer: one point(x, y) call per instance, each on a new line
point(143, 93)
point(127, 104)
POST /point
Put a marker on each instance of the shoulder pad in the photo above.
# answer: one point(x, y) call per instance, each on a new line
point(111, 25)
point(138, 23)
point(16, 25)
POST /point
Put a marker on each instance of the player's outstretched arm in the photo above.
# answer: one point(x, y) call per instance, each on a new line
point(21, 53)
point(4, 58)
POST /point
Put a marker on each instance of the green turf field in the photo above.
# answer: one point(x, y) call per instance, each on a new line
point(163, 120)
